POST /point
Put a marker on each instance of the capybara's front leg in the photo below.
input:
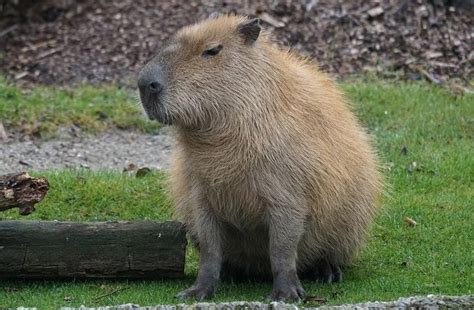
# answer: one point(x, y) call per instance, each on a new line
point(283, 248)
point(209, 237)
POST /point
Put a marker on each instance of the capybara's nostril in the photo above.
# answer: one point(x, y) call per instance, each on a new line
point(151, 80)
point(155, 87)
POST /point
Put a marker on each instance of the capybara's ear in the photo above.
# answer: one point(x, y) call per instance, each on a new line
point(249, 30)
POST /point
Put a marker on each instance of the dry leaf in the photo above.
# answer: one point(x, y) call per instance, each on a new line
point(130, 168)
point(375, 11)
point(404, 150)
point(411, 222)
point(433, 54)
point(389, 166)
point(143, 172)
point(412, 167)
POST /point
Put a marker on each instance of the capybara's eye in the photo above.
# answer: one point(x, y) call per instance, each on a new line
point(212, 51)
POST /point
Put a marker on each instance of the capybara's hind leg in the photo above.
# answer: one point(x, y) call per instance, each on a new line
point(324, 272)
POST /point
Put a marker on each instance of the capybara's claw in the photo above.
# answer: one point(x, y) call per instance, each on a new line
point(199, 293)
point(288, 291)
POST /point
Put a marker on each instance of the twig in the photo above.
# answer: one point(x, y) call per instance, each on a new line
point(459, 89)
point(8, 30)
point(398, 8)
point(49, 53)
point(109, 293)
point(428, 76)
point(21, 75)
point(317, 299)
point(442, 64)
point(3, 133)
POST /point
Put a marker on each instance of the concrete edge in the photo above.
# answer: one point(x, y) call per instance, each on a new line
point(430, 302)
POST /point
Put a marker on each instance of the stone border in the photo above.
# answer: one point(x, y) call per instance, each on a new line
point(429, 302)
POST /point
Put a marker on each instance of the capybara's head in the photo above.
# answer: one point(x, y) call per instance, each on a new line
point(205, 73)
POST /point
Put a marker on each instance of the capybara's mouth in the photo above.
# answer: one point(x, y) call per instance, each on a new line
point(148, 103)
point(148, 110)
point(163, 117)
point(155, 110)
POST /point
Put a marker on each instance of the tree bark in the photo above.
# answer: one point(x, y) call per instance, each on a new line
point(21, 191)
point(52, 250)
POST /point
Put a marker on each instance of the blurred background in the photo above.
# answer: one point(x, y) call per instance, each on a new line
point(65, 41)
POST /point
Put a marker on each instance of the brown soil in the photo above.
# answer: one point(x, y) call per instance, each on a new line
point(62, 42)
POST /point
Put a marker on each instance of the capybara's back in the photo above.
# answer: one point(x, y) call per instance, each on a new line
point(272, 174)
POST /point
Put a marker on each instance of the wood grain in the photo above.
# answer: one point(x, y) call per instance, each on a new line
point(51, 250)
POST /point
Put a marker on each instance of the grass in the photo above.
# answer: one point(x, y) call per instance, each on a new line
point(41, 111)
point(82, 195)
point(435, 131)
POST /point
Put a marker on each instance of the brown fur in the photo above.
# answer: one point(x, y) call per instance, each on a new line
point(265, 140)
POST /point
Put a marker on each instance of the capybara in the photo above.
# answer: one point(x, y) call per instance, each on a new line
point(271, 173)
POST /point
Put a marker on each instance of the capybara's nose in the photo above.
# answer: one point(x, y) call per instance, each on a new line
point(155, 87)
point(151, 79)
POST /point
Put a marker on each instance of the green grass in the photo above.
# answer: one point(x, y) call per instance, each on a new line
point(434, 257)
point(82, 195)
point(42, 110)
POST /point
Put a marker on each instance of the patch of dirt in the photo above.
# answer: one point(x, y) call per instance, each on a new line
point(114, 150)
point(66, 42)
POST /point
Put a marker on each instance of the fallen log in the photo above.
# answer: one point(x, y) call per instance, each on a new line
point(21, 191)
point(54, 250)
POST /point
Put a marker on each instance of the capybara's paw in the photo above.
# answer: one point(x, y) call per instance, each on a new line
point(197, 292)
point(287, 291)
point(328, 273)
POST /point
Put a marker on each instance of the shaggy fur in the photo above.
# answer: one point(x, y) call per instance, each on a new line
point(269, 156)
